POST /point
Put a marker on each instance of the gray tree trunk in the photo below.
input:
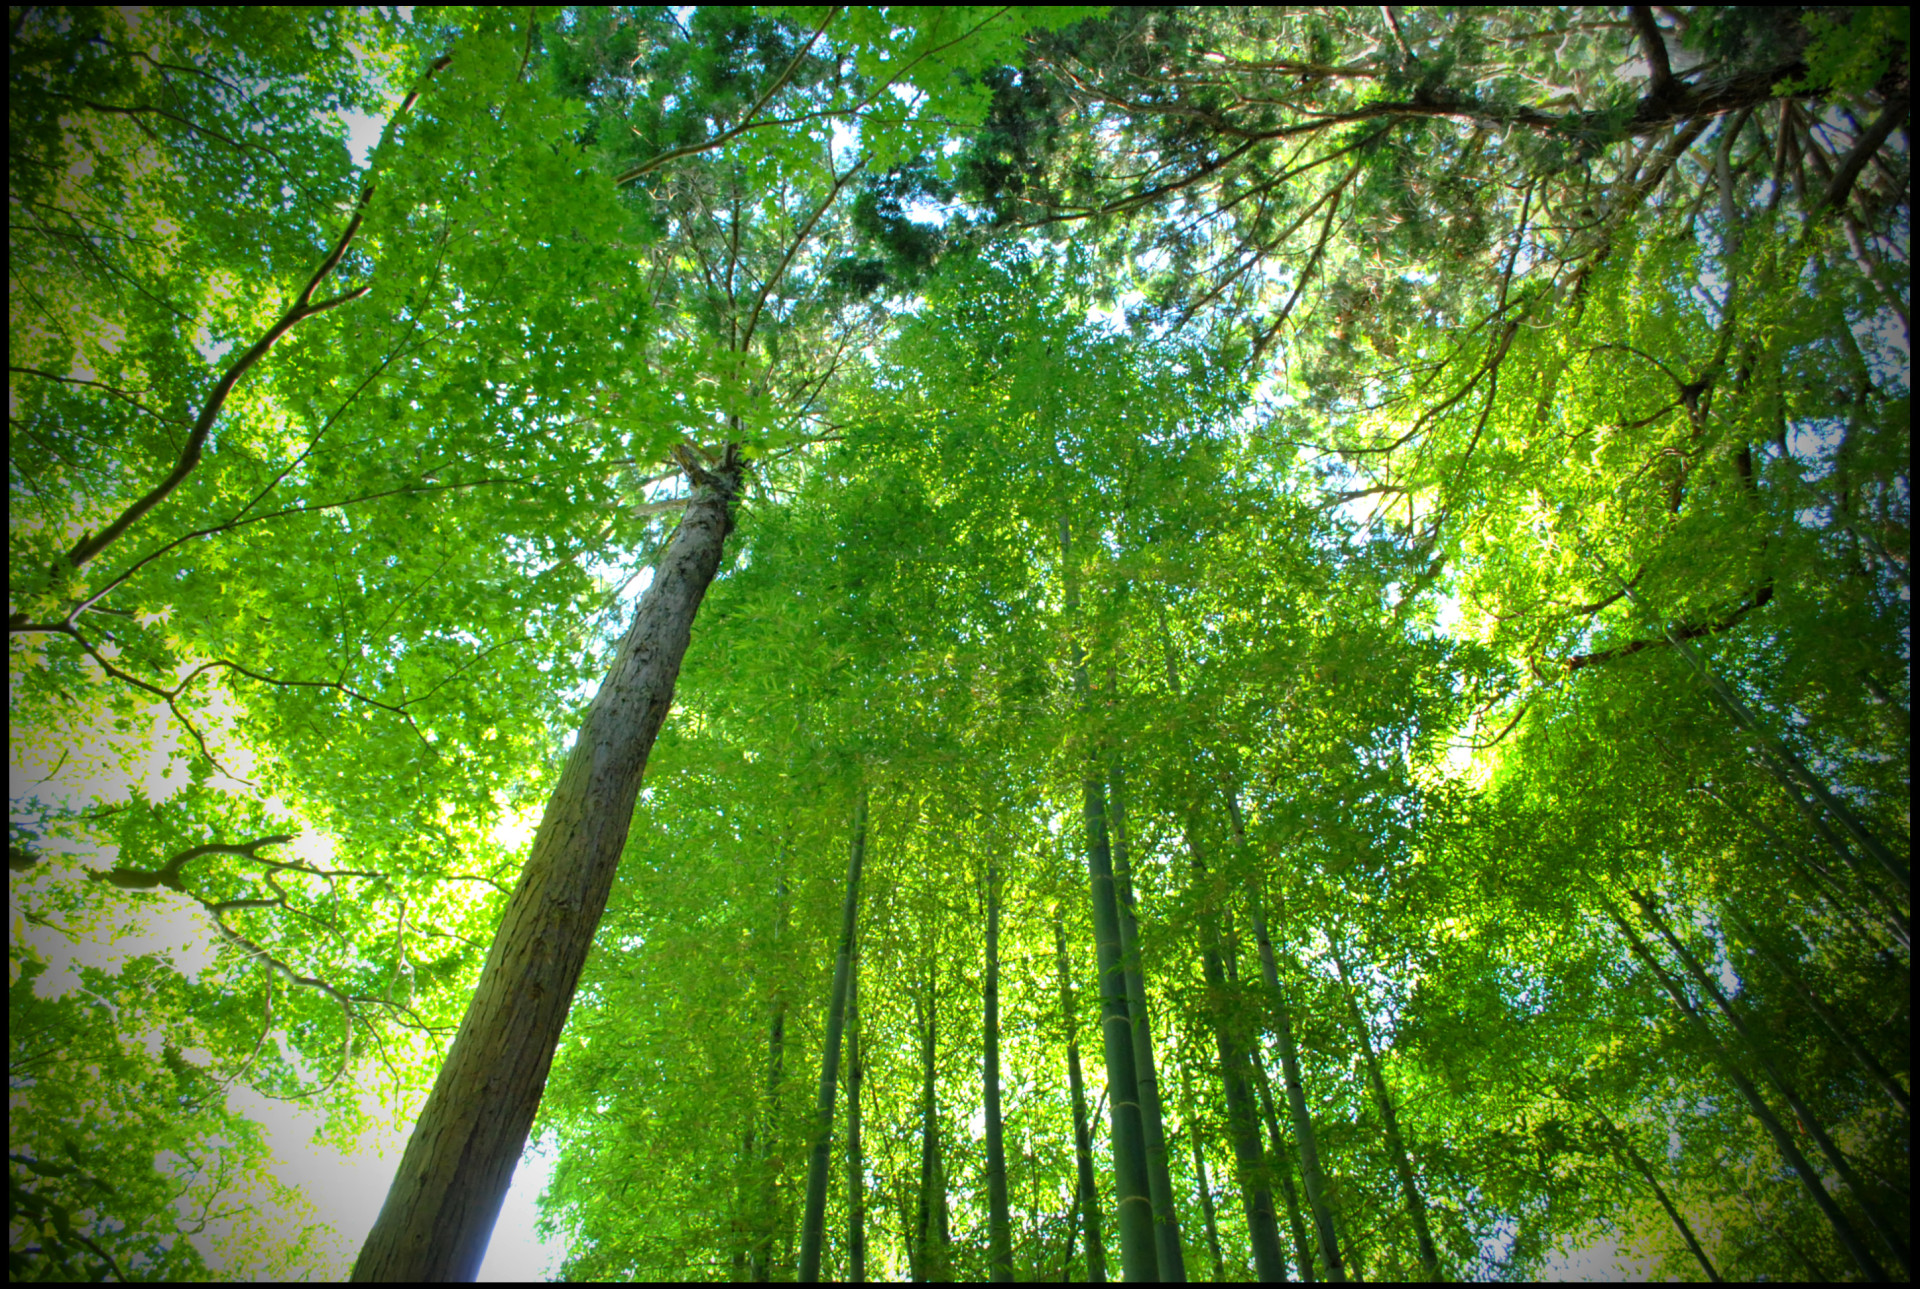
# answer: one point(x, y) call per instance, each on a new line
point(459, 1161)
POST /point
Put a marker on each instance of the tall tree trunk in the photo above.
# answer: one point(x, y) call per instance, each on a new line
point(767, 1213)
point(856, 1161)
point(930, 1229)
point(1206, 1202)
point(1870, 879)
point(1283, 1171)
point(1390, 1123)
point(1139, 1258)
point(999, 1222)
point(1200, 1176)
point(1073, 1225)
point(1889, 925)
point(744, 1205)
point(1756, 1104)
point(1837, 1027)
point(1169, 1254)
point(813, 1229)
point(1792, 774)
point(1256, 1197)
point(1623, 1143)
point(1087, 1193)
point(440, 1211)
point(909, 1228)
point(1842, 1166)
point(1303, 1134)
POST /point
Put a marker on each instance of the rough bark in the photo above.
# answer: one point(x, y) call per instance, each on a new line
point(819, 1162)
point(999, 1224)
point(1088, 1195)
point(1153, 1133)
point(458, 1163)
point(1390, 1125)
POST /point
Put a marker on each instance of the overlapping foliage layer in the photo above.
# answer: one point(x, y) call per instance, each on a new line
point(1442, 478)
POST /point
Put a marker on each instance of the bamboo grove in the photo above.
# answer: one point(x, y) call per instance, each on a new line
point(964, 643)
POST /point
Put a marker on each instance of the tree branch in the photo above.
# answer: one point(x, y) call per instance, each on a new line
point(746, 122)
point(303, 307)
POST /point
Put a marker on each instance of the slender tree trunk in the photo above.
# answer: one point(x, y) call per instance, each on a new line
point(1283, 1171)
point(1838, 1028)
point(942, 1213)
point(999, 1222)
point(930, 1230)
point(819, 1162)
point(1086, 1192)
point(745, 1205)
point(1303, 1134)
point(1206, 1187)
point(909, 1229)
point(440, 1211)
point(1787, 767)
point(1390, 1123)
point(1756, 1104)
point(1206, 1204)
point(1623, 1143)
point(1790, 771)
point(1842, 1166)
point(1139, 1258)
point(1169, 1254)
point(856, 1161)
point(1888, 923)
point(1870, 881)
point(767, 1215)
point(1073, 1225)
point(1256, 1197)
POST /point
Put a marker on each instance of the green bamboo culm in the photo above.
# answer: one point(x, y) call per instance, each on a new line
point(813, 1227)
point(999, 1224)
